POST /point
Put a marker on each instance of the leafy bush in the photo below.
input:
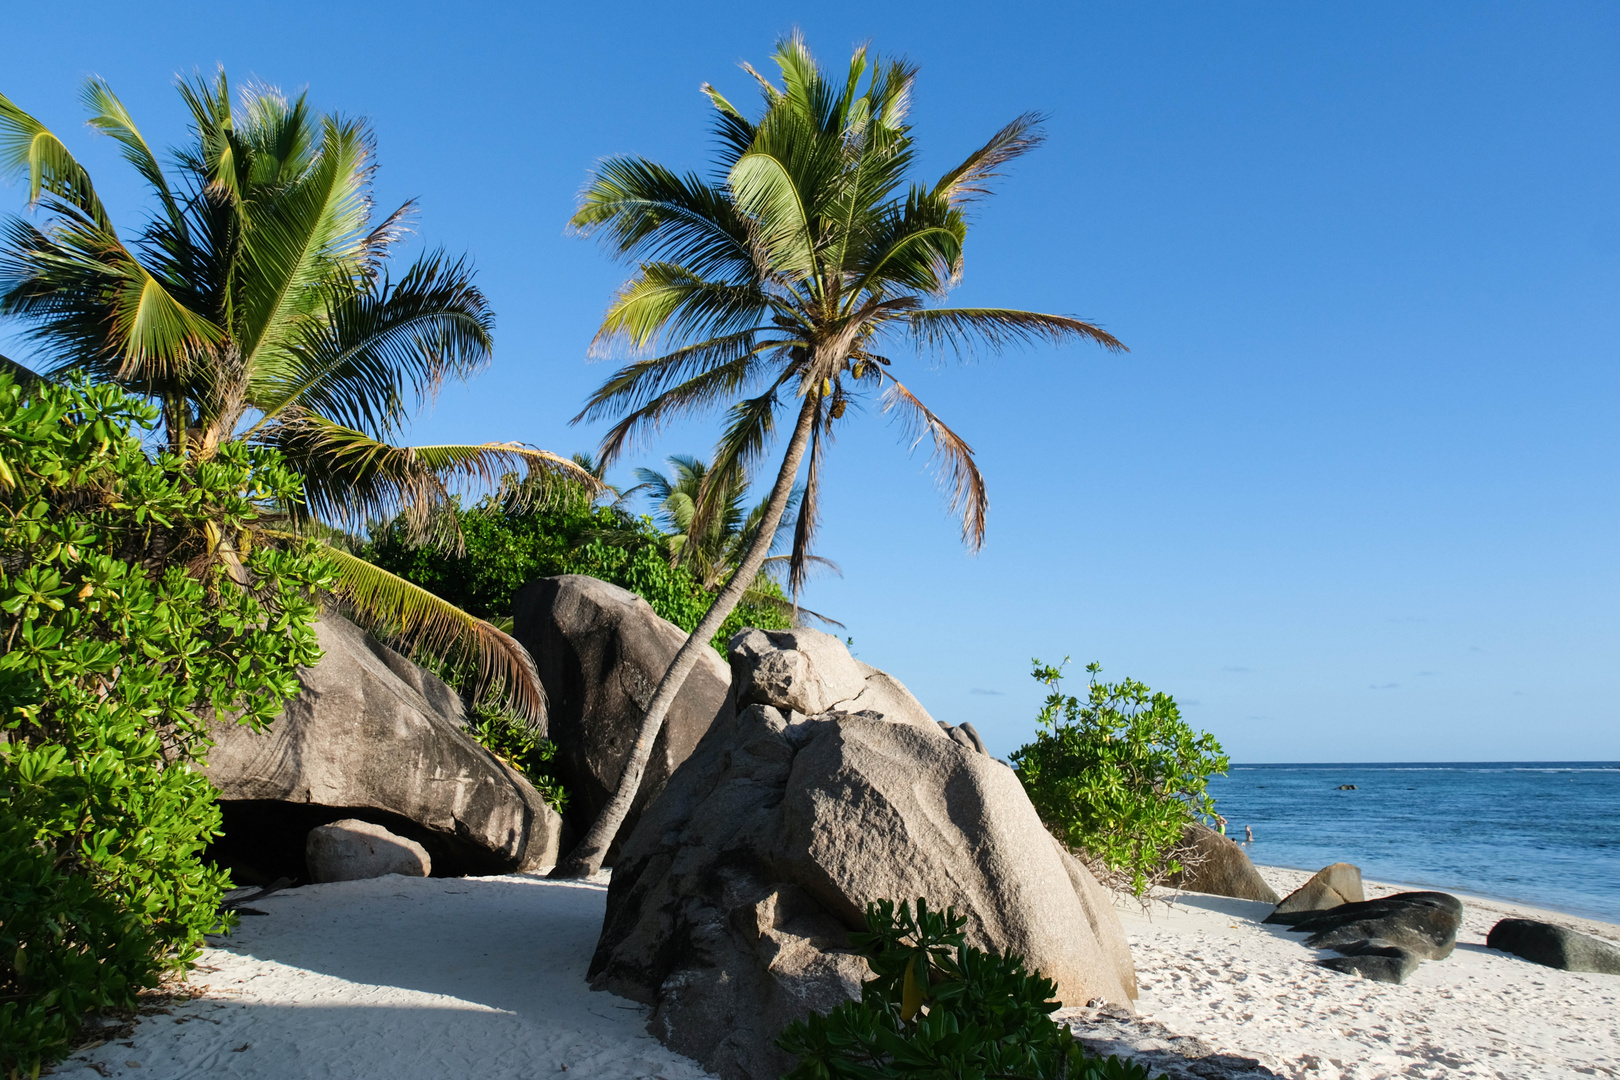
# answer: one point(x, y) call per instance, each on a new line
point(506, 550)
point(125, 632)
point(514, 741)
point(938, 1009)
point(1118, 776)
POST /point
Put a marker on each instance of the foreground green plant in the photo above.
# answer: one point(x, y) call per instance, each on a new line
point(938, 1009)
point(132, 614)
point(1118, 776)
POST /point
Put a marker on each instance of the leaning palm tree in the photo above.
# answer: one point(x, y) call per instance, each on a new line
point(781, 284)
point(256, 303)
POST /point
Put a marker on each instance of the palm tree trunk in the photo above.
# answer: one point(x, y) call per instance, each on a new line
point(586, 859)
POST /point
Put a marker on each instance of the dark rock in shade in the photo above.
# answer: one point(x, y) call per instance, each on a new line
point(1387, 964)
point(731, 902)
point(600, 651)
point(1425, 931)
point(1555, 946)
point(1386, 938)
point(352, 850)
point(372, 736)
point(1329, 887)
point(1218, 867)
point(1384, 906)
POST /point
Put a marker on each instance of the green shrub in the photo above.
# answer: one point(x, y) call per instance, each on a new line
point(936, 1009)
point(125, 632)
point(1118, 776)
point(514, 741)
point(506, 550)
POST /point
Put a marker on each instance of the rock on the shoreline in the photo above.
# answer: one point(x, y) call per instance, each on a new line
point(600, 651)
point(371, 735)
point(730, 903)
point(353, 850)
point(1554, 946)
point(1328, 888)
point(1386, 938)
point(1218, 867)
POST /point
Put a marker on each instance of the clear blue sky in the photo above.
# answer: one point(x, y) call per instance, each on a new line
point(1353, 493)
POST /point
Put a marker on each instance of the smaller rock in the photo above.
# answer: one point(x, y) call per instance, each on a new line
point(1386, 964)
point(1329, 887)
point(1347, 787)
point(352, 850)
point(803, 670)
point(1218, 867)
point(1554, 946)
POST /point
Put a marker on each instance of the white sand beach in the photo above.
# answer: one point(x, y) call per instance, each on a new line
point(420, 979)
point(1208, 968)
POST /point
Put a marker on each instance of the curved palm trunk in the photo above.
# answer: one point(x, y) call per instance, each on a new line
point(586, 859)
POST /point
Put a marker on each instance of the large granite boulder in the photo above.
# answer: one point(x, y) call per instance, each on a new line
point(1217, 866)
point(372, 736)
point(731, 901)
point(353, 850)
point(1328, 888)
point(600, 651)
point(1554, 946)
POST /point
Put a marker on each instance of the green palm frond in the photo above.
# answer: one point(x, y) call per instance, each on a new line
point(27, 148)
point(351, 478)
point(408, 613)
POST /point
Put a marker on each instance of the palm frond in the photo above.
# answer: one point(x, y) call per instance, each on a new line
point(960, 329)
point(409, 613)
point(971, 179)
point(668, 300)
point(697, 394)
point(351, 478)
point(640, 382)
point(376, 349)
point(641, 209)
point(809, 515)
point(958, 474)
point(109, 116)
point(27, 148)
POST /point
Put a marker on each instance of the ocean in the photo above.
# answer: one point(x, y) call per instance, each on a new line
point(1541, 833)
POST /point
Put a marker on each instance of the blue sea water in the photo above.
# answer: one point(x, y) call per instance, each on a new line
point(1541, 833)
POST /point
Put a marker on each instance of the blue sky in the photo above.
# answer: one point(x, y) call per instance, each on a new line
point(1351, 496)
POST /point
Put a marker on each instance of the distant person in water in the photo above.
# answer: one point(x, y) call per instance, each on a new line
point(1248, 834)
point(1220, 823)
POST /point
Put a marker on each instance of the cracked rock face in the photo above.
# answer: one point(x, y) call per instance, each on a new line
point(731, 901)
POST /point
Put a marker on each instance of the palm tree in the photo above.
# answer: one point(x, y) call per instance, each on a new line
point(784, 280)
point(256, 303)
point(711, 551)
